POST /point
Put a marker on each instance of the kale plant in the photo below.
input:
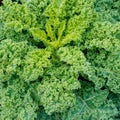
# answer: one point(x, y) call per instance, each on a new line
point(59, 60)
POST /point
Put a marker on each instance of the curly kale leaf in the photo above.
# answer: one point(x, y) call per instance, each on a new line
point(11, 54)
point(113, 71)
point(15, 20)
point(37, 7)
point(74, 57)
point(57, 89)
point(104, 35)
point(22, 60)
point(104, 43)
point(16, 101)
point(91, 105)
point(21, 64)
point(48, 49)
point(116, 100)
point(34, 64)
point(61, 27)
point(109, 10)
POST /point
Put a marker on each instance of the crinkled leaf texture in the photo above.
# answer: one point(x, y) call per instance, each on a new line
point(62, 27)
point(109, 10)
point(60, 60)
point(91, 105)
point(15, 20)
point(16, 101)
point(106, 58)
point(22, 60)
point(57, 89)
point(21, 64)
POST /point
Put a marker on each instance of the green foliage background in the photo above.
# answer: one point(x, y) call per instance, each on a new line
point(60, 60)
